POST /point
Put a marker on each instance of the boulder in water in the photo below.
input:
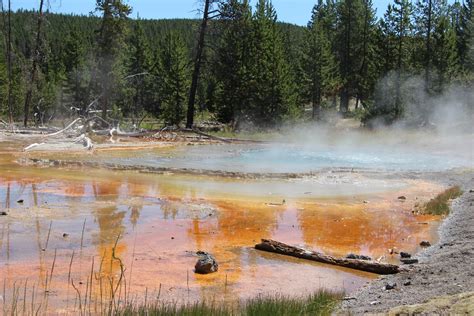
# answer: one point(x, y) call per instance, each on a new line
point(206, 263)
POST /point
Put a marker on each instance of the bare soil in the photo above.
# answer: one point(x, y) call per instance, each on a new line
point(444, 269)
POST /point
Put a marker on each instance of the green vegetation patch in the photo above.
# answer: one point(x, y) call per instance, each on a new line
point(440, 204)
point(321, 303)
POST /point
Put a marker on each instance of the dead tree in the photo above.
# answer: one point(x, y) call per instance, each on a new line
point(207, 16)
point(34, 66)
point(357, 264)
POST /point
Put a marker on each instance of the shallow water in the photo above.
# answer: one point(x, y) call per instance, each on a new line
point(160, 221)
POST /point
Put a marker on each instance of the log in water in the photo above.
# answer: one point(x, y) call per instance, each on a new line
point(357, 264)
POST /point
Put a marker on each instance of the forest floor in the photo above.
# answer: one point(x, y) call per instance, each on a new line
point(442, 282)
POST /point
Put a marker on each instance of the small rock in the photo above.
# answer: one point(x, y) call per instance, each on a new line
point(471, 191)
point(390, 286)
point(366, 202)
point(408, 260)
point(3, 213)
point(206, 263)
point(407, 283)
point(20, 201)
point(65, 235)
point(425, 243)
point(402, 197)
point(374, 302)
point(172, 237)
point(405, 254)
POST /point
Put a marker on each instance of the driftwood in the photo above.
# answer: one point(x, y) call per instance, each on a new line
point(64, 129)
point(357, 264)
point(189, 130)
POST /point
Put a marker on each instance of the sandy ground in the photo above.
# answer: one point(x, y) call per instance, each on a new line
point(445, 270)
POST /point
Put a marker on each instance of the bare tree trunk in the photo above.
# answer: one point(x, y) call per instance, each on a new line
point(34, 70)
point(197, 66)
point(357, 264)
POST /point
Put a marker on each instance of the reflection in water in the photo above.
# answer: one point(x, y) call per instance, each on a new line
point(145, 229)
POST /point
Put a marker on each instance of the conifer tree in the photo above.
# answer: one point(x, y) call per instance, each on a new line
point(138, 81)
point(109, 47)
point(428, 16)
point(355, 30)
point(445, 59)
point(273, 95)
point(175, 79)
point(320, 67)
point(233, 66)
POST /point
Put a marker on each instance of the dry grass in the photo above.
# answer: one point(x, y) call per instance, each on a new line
point(440, 204)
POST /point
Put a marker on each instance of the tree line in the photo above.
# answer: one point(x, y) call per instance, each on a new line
point(239, 65)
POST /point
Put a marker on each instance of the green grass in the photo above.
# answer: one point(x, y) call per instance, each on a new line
point(440, 204)
point(321, 303)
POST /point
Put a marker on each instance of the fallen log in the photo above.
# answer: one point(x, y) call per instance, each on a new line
point(189, 130)
point(362, 265)
point(64, 129)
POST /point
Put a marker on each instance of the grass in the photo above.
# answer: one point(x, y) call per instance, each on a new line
point(321, 303)
point(440, 204)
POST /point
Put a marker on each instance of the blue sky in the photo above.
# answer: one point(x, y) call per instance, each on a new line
point(292, 11)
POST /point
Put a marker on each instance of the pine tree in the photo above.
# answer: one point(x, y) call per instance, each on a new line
point(175, 79)
point(428, 15)
point(397, 27)
point(320, 67)
point(109, 47)
point(445, 59)
point(138, 80)
point(233, 65)
point(355, 29)
point(464, 32)
point(273, 95)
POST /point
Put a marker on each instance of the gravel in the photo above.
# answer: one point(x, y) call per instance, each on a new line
point(445, 268)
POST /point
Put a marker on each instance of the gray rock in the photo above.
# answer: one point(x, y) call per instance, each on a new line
point(206, 263)
point(390, 286)
point(405, 254)
point(408, 260)
point(425, 243)
point(3, 213)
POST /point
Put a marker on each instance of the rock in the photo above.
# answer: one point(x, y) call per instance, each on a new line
point(425, 243)
point(358, 257)
point(402, 197)
point(20, 201)
point(3, 213)
point(407, 283)
point(374, 303)
point(65, 235)
point(408, 260)
point(390, 286)
point(405, 254)
point(206, 263)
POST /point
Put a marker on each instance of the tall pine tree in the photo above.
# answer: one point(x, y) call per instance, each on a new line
point(175, 83)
